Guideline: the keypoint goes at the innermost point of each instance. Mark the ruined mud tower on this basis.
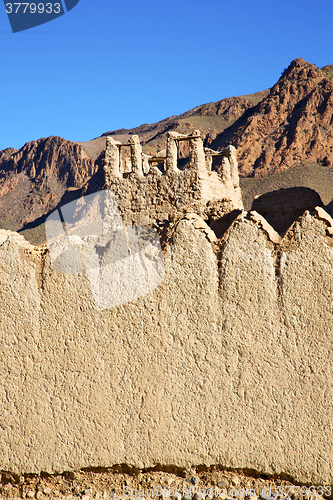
(150, 188)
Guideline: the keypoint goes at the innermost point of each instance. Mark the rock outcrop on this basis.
(292, 124)
(34, 179)
(212, 118)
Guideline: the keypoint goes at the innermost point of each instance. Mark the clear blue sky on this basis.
(117, 64)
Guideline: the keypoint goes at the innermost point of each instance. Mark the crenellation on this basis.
(146, 163)
(171, 162)
(232, 157)
(149, 160)
(112, 159)
(210, 154)
(136, 155)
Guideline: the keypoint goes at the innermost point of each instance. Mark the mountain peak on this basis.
(299, 67)
(292, 124)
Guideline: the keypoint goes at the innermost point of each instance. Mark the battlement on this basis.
(147, 186)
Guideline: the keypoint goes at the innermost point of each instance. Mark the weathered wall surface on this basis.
(228, 361)
(145, 194)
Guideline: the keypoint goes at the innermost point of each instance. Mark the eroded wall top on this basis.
(149, 188)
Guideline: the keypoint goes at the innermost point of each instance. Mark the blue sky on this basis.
(117, 64)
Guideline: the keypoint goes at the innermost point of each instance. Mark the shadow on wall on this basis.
(283, 207)
(221, 225)
(329, 208)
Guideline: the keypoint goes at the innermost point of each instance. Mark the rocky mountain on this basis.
(291, 125)
(211, 119)
(36, 178)
(274, 130)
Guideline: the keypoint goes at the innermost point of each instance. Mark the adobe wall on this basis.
(228, 361)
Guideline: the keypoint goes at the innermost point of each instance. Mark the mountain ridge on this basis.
(292, 124)
(285, 126)
(214, 117)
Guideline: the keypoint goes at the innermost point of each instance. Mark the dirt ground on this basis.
(121, 483)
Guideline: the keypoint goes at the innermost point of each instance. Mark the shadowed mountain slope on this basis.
(291, 125)
(34, 179)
